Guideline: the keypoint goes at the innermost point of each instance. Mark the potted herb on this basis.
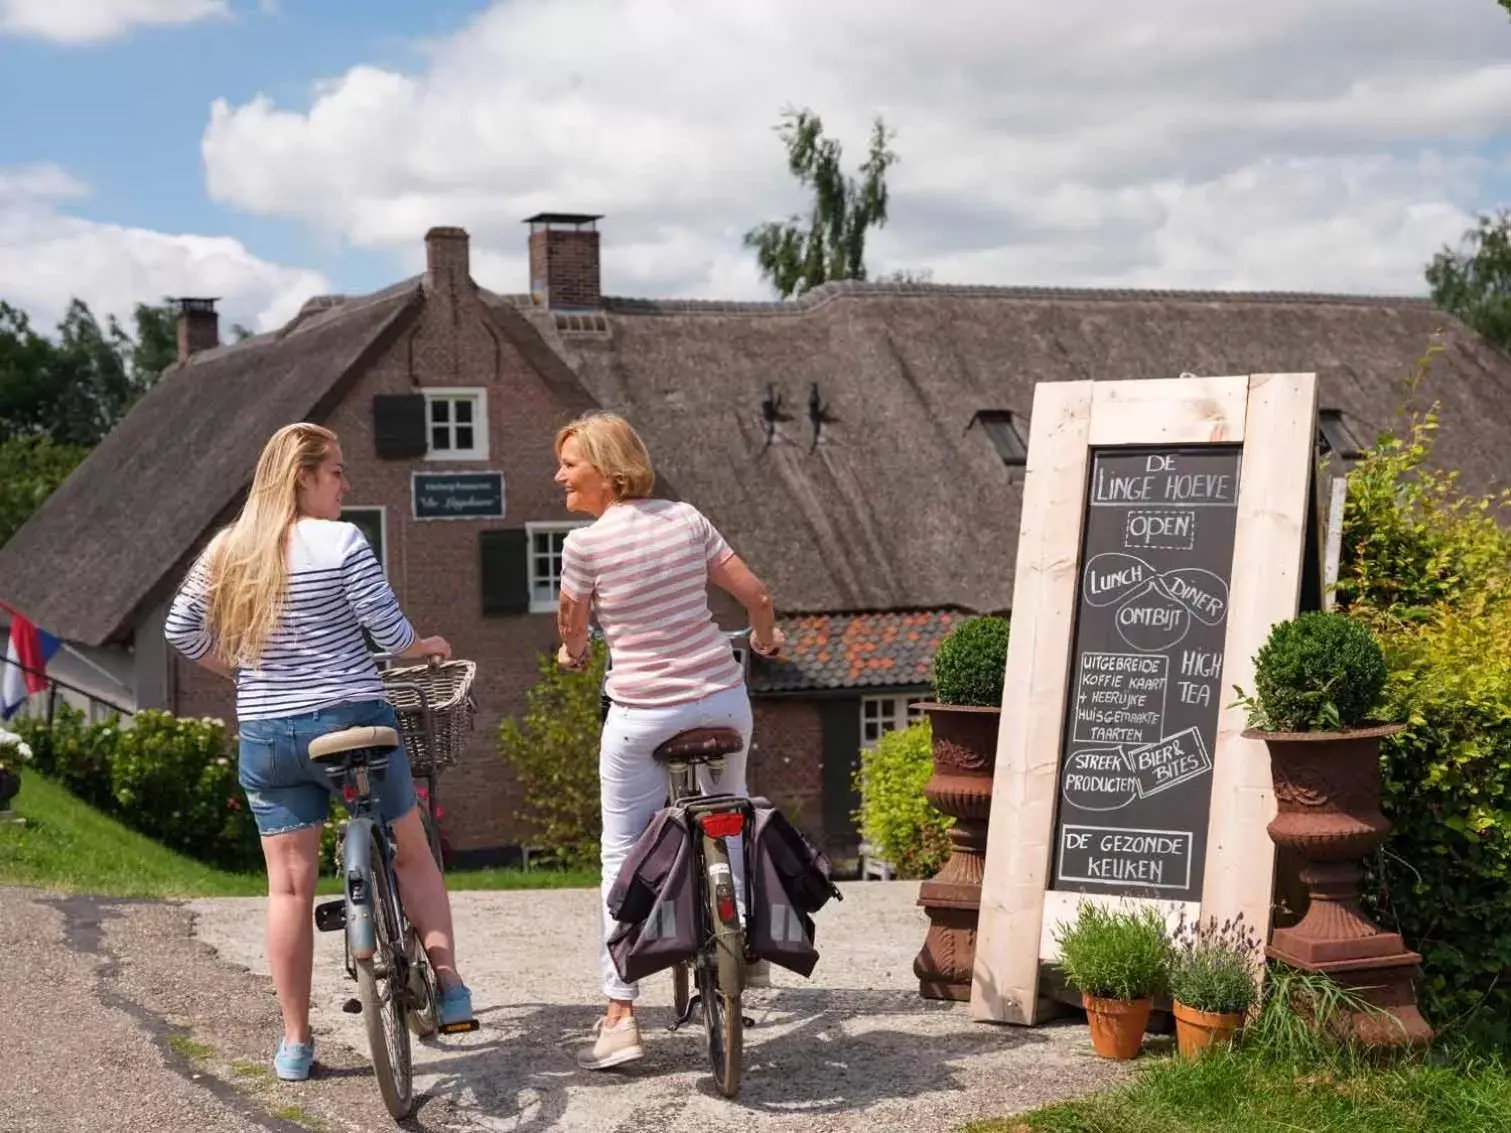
(964, 715)
(1319, 681)
(1118, 960)
(1212, 981)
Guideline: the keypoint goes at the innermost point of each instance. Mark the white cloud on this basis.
(93, 21)
(48, 257)
(1287, 144)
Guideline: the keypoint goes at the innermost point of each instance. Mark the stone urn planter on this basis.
(965, 753)
(13, 754)
(1318, 679)
(964, 718)
(1327, 793)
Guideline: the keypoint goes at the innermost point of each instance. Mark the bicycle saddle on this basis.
(698, 744)
(334, 744)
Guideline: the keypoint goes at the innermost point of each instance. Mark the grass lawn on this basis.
(1244, 1092)
(68, 846)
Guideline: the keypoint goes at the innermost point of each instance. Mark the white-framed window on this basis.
(546, 541)
(373, 522)
(456, 423)
(882, 714)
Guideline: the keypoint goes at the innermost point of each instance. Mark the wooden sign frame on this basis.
(1274, 418)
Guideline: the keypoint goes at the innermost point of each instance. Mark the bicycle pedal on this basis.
(459, 1028)
(331, 915)
(352, 1006)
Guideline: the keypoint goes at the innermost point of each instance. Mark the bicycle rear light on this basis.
(725, 825)
(726, 902)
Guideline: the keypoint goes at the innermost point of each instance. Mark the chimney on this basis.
(564, 261)
(198, 327)
(446, 259)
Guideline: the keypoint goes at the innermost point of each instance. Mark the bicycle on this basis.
(383, 952)
(719, 965)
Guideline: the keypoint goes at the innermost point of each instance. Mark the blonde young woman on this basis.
(644, 566)
(277, 603)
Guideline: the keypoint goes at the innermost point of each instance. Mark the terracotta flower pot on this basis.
(965, 754)
(1195, 1030)
(1117, 1027)
(1327, 797)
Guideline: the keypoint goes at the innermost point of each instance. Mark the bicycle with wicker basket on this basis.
(435, 709)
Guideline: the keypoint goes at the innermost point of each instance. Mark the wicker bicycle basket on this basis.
(448, 688)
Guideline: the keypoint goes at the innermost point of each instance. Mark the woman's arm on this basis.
(572, 625)
(749, 591)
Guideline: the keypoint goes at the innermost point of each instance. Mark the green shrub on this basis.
(895, 817)
(1213, 967)
(174, 779)
(553, 752)
(170, 778)
(1316, 672)
(1428, 567)
(1115, 953)
(970, 663)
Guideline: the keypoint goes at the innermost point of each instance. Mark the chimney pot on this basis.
(446, 257)
(564, 268)
(198, 326)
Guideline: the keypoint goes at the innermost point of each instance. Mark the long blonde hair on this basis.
(248, 561)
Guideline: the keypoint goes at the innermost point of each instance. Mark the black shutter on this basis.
(840, 722)
(505, 571)
(399, 425)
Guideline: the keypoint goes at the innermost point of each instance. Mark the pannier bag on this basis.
(653, 899)
(789, 880)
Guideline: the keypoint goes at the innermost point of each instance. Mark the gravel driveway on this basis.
(160, 1015)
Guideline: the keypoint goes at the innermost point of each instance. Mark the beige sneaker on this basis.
(615, 1045)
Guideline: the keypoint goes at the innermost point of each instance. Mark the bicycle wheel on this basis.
(680, 990)
(724, 1030)
(423, 989)
(383, 999)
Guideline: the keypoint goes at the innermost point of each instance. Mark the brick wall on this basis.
(564, 267)
(787, 763)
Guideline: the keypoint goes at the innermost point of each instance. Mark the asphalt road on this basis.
(160, 1016)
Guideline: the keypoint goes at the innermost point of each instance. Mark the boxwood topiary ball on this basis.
(1320, 671)
(969, 663)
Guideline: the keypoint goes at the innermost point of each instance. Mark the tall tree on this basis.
(1474, 281)
(74, 388)
(795, 254)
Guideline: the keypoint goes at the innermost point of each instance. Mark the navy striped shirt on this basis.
(316, 655)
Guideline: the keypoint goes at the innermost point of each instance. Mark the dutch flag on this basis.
(25, 665)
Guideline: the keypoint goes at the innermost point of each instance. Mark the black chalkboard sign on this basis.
(1135, 776)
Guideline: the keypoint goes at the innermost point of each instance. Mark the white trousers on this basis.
(634, 788)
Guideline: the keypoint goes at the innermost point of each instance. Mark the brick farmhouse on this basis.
(861, 446)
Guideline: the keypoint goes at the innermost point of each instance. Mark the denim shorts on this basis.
(288, 792)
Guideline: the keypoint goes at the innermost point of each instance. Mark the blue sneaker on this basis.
(454, 1013)
(292, 1062)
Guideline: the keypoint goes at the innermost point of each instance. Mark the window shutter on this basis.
(840, 722)
(399, 425)
(505, 571)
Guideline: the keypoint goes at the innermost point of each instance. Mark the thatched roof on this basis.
(105, 543)
(903, 503)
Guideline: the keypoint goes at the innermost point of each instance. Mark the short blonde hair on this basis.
(610, 444)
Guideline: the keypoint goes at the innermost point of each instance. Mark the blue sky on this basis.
(267, 150)
(126, 116)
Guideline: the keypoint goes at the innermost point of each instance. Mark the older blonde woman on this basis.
(278, 602)
(643, 565)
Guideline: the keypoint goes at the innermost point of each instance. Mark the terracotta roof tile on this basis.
(879, 649)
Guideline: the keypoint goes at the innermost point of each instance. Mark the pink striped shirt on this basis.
(645, 565)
